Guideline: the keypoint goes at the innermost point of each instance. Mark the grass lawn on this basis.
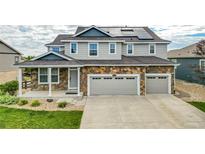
(21, 118)
(199, 105)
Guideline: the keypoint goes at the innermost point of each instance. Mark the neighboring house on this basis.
(8, 57)
(191, 65)
(103, 61)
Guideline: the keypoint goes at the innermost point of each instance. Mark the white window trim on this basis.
(58, 76)
(76, 47)
(89, 49)
(47, 77)
(132, 49)
(16, 59)
(200, 63)
(154, 49)
(115, 48)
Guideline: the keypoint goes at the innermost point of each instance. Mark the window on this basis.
(54, 75)
(202, 65)
(43, 75)
(73, 48)
(16, 59)
(93, 49)
(152, 48)
(112, 48)
(130, 49)
(55, 49)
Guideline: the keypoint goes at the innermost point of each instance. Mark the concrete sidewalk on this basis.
(151, 111)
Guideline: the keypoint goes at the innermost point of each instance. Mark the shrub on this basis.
(35, 103)
(9, 87)
(23, 102)
(62, 104)
(7, 99)
(2, 93)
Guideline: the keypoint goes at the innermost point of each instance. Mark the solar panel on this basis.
(142, 34)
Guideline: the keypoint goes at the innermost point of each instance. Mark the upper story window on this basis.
(73, 47)
(43, 75)
(202, 65)
(16, 59)
(152, 48)
(130, 49)
(112, 48)
(55, 49)
(93, 49)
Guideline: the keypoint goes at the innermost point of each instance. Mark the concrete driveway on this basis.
(151, 111)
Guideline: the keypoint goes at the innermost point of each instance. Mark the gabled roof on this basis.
(130, 60)
(125, 61)
(57, 40)
(186, 52)
(115, 32)
(54, 53)
(92, 27)
(16, 51)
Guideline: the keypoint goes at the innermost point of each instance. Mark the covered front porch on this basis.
(51, 82)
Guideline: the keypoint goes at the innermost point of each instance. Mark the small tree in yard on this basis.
(200, 51)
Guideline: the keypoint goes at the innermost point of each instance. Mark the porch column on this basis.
(20, 81)
(78, 81)
(49, 82)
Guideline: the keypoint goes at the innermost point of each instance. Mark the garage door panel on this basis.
(157, 85)
(113, 85)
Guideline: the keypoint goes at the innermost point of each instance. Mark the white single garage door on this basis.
(157, 84)
(109, 85)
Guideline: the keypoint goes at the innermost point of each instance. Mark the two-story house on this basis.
(103, 61)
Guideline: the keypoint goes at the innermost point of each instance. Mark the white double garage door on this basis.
(127, 84)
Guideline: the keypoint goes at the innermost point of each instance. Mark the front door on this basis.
(73, 79)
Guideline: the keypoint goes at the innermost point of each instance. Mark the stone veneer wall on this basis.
(124, 70)
(63, 81)
(102, 70)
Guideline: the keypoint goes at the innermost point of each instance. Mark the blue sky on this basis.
(30, 40)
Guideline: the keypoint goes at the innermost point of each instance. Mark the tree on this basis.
(200, 48)
(28, 58)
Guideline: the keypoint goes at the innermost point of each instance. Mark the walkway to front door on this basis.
(151, 111)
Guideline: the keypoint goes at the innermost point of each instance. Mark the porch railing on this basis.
(26, 84)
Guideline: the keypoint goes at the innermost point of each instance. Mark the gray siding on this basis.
(5, 49)
(7, 61)
(143, 50)
(51, 57)
(103, 51)
(187, 70)
(93, 32)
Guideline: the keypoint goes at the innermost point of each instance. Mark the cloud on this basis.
(31, 39)
(180, 36)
